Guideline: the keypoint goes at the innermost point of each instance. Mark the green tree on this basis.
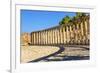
(65, 20)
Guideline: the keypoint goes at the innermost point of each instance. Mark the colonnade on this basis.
(67, 34)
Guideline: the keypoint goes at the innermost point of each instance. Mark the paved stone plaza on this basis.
(29, 53)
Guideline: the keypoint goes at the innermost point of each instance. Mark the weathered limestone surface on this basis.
(29, 53)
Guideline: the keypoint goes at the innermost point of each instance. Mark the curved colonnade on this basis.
(62, 35)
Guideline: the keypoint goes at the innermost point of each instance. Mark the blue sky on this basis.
(34, 20)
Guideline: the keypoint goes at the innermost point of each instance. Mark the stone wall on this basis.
(25, 39)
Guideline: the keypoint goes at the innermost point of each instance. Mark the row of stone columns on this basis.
(73, 34)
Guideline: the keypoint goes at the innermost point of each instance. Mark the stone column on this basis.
(58, 37)
(32, 38)
(50, 37)
(78, 33)
(61, 38)
(86, 31)
(47, 37)
(43, 37)
(57, 34)
(68, 35)
(39, 37)
(36, 37)
(82, 32)
(53, 36)
(64, 35)
(74, 34)
(88, 36)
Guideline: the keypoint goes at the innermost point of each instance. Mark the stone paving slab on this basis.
(29, 53)
(74, 51)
